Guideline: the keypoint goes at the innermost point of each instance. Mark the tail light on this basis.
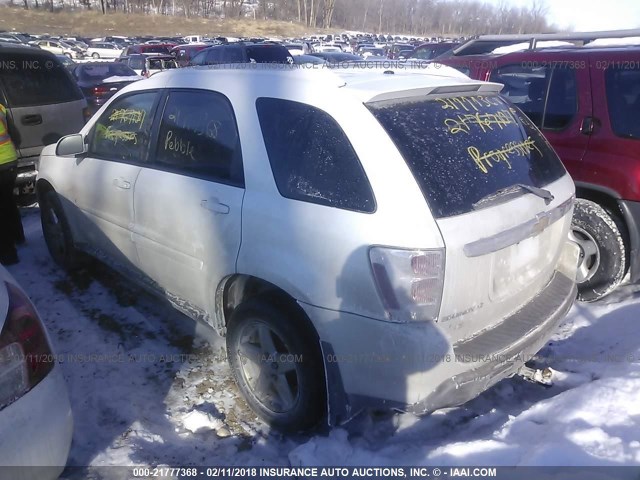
(99, 91)
(25, 354)
(409, 282)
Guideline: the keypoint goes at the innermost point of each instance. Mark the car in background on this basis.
(66, 62)
(104, 50)
(157, 63)
(337, 57)
(148, 49)
(308, 60)
(243, 53)
(372, 52)
(59, 48)
(586, 101)
(35, 412)
(43, 104)
(99, 81)
(296, 48)
(398, 51)
(184, 53)
(429, 51)
(147, 65)
(447, 265)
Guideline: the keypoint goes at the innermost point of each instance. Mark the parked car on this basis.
(101, 80)
(184, 53)
(308, 60)
(147, 65)
(337, 57)
(243, 53)
(429, 51)
(586, 101)
(66, 62)
(44, 103)
(35, 413)
(262, 208)
(60, 48)
(148, 48)
(398, 51)
(104, 50)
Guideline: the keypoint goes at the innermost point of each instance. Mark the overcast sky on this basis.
(588, 15)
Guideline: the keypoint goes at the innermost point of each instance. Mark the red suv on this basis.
(586, 100)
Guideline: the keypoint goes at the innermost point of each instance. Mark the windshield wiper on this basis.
(507, 193)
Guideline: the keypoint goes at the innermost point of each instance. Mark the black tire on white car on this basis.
(57, 233)
(277, 364)
(95, 55)
(603, 255)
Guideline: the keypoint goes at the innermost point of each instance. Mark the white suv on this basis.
(362, 238)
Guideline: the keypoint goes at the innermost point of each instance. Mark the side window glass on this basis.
(199, 136)
(122, 132)
(311, 157)
(562, 101)
(623, 100)
(526, 87)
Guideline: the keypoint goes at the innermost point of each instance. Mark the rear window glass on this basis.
(623, 97)
(549, 96)
(103, 71)
(30, 80)
(462, 149)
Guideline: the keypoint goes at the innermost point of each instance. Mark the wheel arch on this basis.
(238, 288)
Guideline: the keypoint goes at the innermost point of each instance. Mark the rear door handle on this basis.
(29, 120)
(214, 205)
(121, 183)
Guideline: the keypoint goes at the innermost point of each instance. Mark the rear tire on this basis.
(603, 255)
(277, 364)
(95, 55)
(57, 233)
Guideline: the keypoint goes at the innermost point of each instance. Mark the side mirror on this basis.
(70, 145)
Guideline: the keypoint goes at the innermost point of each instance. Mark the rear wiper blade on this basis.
(505, 194)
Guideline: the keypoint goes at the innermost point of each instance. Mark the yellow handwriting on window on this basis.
(469, 104)
(485, 121)
(130, 116)
(114, 135)
(484, 161)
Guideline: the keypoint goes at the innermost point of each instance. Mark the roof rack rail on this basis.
(483, 44)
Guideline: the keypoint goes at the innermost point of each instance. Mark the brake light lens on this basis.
(409, 282)
(25, 354)
(99, 91)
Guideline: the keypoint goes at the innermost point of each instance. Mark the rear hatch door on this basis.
(500, 196)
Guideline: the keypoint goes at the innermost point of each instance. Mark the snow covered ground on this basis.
(147, 389)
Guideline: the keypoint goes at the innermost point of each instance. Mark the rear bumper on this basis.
(414, 368)
(490, 361)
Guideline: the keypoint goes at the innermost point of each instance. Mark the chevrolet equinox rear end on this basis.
(361, 238)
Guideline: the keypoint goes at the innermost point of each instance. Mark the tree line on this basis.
(414, 17)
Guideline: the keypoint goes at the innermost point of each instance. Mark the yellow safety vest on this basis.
(8, 152)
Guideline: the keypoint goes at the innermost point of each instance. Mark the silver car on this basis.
(35, 414)
(361, 237)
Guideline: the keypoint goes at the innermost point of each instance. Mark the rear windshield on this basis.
(97, 72)
(462, 149)
(30, 80)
